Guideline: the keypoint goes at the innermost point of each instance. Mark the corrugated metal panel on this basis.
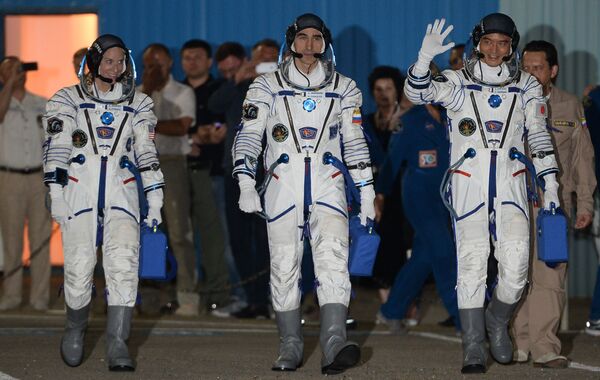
(572, 27)
(583, 265)
(366, 33)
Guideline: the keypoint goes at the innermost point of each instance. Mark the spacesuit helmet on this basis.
(493, 23)
(307, 20)
(93, 59)
(288, 52)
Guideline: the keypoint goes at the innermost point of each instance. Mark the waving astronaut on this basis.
(493, 107)
(91, 129)
(309, 113)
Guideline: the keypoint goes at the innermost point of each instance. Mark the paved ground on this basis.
(212, 348)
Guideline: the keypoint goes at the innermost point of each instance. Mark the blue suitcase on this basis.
(153, 254)
(552, 236)
(364, 242)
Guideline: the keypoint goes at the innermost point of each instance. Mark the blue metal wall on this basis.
(366, 33)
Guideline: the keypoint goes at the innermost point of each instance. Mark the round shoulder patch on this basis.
(466, 127)
(79, 138)
(249, 111)
(55, 125)
(280, 132)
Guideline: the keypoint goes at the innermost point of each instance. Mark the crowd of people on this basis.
(250, 172)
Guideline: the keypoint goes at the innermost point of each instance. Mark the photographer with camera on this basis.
(22, 192)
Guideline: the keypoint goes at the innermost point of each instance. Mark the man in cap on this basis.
(493, 107)
(92, 130)
(308, 111)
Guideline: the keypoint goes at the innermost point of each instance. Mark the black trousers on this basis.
(249, 245)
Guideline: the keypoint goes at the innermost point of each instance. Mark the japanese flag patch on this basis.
(541, 110)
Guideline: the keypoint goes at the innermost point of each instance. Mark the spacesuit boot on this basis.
(338, 354)
(291, 341)
(71, 345)
(473, 340)
(497, 316)
(117, 333)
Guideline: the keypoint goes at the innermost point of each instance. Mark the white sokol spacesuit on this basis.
(305, 189)
(304, 116)
(488, 191)
(491, 110)
(89, 134)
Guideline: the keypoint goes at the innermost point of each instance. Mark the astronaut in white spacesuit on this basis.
(493, 107)
(91, 130)
(309, 113)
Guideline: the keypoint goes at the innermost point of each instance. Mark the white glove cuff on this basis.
(246, 182)
(551, 182)
(155, 198)
(367, 193)
(421, 68)
(56, 190)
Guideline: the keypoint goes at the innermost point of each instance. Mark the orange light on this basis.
(49, 40)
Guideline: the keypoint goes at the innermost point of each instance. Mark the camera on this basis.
(29, 66)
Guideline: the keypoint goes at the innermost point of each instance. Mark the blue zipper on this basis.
(101, 200)
(307, 198)
(492, 193)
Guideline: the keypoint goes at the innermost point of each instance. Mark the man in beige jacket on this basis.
(537, 320)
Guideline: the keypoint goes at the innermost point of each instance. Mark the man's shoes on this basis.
(412, 315)
(187, 310)
(395, 326)
(9, 304)
(520, 356)
(551, 360)
(253, 312)
(169, 308)
(592, 327)
(228, 310)
(188, 304)
(448, 322)
(36, 308)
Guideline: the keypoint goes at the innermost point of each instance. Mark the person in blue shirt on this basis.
(422, 146)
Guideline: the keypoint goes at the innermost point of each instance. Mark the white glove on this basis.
(367, 204)
(433, 44)
(249, 200)
(551, 191)
(155, 203)
(59, 209)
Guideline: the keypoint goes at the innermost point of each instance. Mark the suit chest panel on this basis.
(102, 129)
(314, 118)
(497, 115)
